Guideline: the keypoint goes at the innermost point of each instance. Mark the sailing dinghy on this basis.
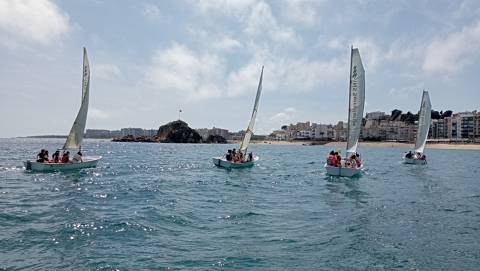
(348, 167)
(247, 160)
(424, 120)
(75, 137)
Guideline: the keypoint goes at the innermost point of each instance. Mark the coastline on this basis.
(440, 146)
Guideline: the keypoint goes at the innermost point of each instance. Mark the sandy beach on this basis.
(442, 146)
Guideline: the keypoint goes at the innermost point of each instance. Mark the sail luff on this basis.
(249, 130)
(75, 137)
(349, 97)
(424, 121)
(356, 101)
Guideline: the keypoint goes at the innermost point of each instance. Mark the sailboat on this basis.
(250, 159)
(75, 137)
(348, 167)
(424, 120)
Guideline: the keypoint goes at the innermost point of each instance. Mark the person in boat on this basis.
(40, 156)
(250, 157)
(66, 157)
(338, 159)
(228, 156)
(56, 156)
(334, 161)
(357, 160)
(77, 158)
(45, 157)
(241, 156)
(330, 158)
(237, 157)
(353, 161)
(409, 155)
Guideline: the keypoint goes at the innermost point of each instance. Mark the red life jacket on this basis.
(334, 160)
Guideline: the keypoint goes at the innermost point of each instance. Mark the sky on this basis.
(149, 59)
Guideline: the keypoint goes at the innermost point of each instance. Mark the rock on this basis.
(131, 138)
(173, 132)
(178, 132)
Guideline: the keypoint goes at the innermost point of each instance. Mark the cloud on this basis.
(284, 74)
(290, 110)
(106, 71)
(226, 7)
(98, 114)
(375, 56)
(300, 12)
(254, 17)
(38, 21)
(151, 12)
(226, 44)
(452, 53)
(370, 52)
(275, 121)
(261, 23)
(285, 116)
(406, 92)
(178, 69)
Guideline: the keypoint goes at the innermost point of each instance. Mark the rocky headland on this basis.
(173, 132)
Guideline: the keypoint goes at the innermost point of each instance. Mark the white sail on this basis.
(75, 137)
(356, 101)
(424, 120)
(249, 131)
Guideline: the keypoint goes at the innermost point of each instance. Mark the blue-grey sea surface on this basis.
(154, 206)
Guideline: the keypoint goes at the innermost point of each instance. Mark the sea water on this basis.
(167, 207)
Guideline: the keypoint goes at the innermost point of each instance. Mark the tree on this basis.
(435, 115)
(395, 114)
(447, 114)
(409, 117)
(284, 127)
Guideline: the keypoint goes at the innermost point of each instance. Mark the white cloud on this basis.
(194, 76)
(255, 17)
(374, 56)
(301, 12)
(290, 110)
(151, 12)
(452, 53)
(39, 21)
(284, 117)
(227, 7)
(406, 92)
(261, 23)
(277, 120)
(98, 114)
(106, 71)
(226, 44)
(286, 74)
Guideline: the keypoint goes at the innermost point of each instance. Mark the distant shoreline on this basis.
(338, 144)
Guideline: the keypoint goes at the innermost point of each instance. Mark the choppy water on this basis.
(166, 206)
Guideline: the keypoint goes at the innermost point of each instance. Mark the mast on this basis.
(75, 137)
(249, 130)
(349, 96)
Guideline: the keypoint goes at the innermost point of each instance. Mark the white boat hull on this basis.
(414, 161)
(343, 171)
(88, 162)
(222, 162)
